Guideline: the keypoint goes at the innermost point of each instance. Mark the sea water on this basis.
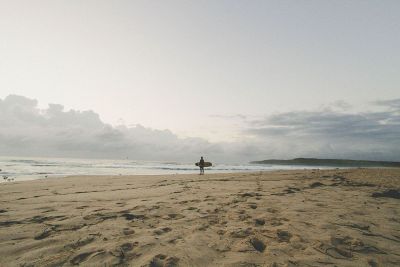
(22, 169)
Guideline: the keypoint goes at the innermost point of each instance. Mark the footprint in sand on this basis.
(221, 232)
(250, 194)
(203, 227)
(283, 236)
(162, 260)
(356, 245)
(257, 244)
(343, 247)
(213, 219)
(45, 233)
(162, 231)
(272, 210)
(259, 221)
(243, 217)
(99, 217)
(316, 184)
(42, 219)
(391, 193)
(173, 216)
(242, 233)
(131, 217)
(174, 240)
(78, 259)
(128, 231)
(277, 221)
(80, 243)
(334, 252)
(253, 206)
(209, 198)
(128, 246)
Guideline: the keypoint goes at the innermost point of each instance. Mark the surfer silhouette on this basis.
(201, 165)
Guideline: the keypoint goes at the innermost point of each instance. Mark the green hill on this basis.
(329, 162)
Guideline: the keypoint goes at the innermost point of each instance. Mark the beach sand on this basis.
(280, 218)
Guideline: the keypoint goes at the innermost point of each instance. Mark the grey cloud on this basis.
(393, 103)
(327, 133)
(341, 105)
(28, 131)
(332, 124)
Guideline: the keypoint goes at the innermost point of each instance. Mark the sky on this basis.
(236, 80)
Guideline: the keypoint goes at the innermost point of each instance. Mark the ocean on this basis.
(22, 169)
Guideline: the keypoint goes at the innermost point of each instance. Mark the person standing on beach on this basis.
(201, 165)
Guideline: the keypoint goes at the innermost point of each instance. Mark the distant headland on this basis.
(329, 162)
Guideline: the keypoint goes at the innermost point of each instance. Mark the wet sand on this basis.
(281, 218)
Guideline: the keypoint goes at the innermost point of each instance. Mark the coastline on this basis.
(228, 219)
(32, 168)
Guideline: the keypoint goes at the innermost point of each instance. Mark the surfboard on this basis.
(206, 164)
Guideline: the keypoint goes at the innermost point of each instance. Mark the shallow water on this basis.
(20, 169)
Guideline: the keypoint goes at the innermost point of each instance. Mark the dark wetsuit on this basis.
(201, 165)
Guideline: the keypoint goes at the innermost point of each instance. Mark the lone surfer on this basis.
(201, 165)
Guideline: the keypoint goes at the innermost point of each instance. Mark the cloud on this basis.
(393, 103)
(329, 133)
(27, 130)
(340, 104)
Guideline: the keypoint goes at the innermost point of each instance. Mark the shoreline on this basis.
(23, 168)
(209, 172)
(285, 217)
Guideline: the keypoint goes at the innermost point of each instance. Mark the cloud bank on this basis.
(26, 130)
(332, 134)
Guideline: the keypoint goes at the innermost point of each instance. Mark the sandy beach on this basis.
(282, 218)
